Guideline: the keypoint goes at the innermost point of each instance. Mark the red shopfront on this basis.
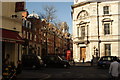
(11, 44)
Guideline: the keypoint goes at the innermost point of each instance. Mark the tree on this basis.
(49, 13)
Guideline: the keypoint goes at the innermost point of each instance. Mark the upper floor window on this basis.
(83, 14)
(106, 29)
(107, 49)
(30, 36)
(35, 38)
(106, 9)
(19, 6)
(27, 24)
(24, 22)
(82, 31)
(39, 31)
(30, 25)
(27, 35)
(24, 34)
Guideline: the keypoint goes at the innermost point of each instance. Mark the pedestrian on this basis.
(19, 67)
(114, 69)
(12, 71)
(83, 60)
(92, 60)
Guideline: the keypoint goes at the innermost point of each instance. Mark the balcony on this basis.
(81, 40)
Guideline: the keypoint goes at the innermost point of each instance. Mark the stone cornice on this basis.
(79, 4)
(89, 41)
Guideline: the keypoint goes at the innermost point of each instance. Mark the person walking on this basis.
(114, 69)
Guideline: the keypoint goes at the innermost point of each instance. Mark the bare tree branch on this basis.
(50, 12)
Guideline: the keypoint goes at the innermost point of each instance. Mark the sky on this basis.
(63, 12)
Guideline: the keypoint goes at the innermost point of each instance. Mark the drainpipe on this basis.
(98, 29)
(18, 52)
(87, 35)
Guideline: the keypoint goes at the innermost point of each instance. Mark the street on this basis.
(73, 73)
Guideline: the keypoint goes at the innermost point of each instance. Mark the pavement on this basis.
(28, 74)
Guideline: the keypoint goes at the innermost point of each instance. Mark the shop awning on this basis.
(10, 36)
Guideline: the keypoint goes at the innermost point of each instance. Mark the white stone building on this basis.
(96, 30)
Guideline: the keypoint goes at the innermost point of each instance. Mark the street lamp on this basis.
(94, 49)
(45, 40)
(45, 27)
(54, 43)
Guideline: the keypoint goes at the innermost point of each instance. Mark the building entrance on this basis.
(82, 53)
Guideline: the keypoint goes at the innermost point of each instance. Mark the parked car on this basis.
(119, 59)
(105, 61)
(55, 61)
(32, 61)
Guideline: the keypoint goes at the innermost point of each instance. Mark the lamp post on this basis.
(94, 50)
(54, 43)
(46, 40)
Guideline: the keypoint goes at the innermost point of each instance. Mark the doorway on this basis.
(82, 53)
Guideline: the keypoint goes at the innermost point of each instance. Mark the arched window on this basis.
(83, 14)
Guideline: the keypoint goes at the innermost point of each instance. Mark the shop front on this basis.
(11, 45)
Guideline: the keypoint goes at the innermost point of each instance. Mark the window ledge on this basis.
(106, 15)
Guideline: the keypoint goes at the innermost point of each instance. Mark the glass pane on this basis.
(106, 29)
(107, 50)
